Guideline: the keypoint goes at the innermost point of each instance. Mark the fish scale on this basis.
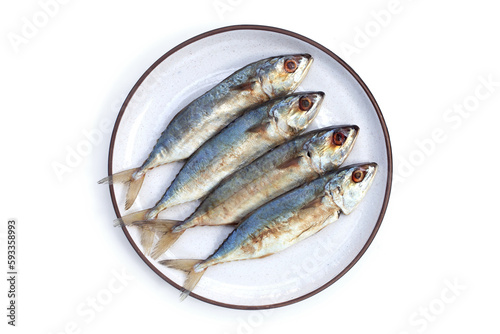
(204, 117)
(286, 220)
(241, 142)
(295, 162)
(234, 147)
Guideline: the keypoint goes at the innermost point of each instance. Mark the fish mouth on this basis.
(301, 58)
(310, 60)
(351, 132)
(307, 56)
(372, 166)
(368, 166)
(355, 128)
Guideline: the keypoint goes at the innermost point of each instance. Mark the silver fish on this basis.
(211, 112)
(298, 161)
(286, 220)
(248, 137)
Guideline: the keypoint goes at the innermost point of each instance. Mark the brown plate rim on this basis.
(328, 52)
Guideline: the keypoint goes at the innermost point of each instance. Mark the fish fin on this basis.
(259, 128)
(193, 277)
(290, 163)
(133, 190)
(185, 265)
(134, 185)
(147, 233)
(312, 204)
(165, 242)
(147, 239)
(160, 226)
(121, 177)
(249, 85)
(131, 218)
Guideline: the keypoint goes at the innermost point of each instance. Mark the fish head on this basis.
(283, 74)
(295, 112)
(329, 148)
(350, 185)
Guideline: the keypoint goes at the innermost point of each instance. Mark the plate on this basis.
(189, 70)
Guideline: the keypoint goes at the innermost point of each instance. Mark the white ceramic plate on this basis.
(189, 70)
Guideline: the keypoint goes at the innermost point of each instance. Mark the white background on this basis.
(432, 267)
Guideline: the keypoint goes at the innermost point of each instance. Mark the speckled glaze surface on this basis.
(189, 70)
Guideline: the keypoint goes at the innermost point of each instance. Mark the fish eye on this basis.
(305, 103)
(358, 175)
(290, 65)
(338, 138)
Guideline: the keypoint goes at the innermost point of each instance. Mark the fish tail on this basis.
(147, 233)
(160, 226)
(131, 218)
(165, 242)
(163, 229)
(121, 177)
(193, 277)
(133, 190)
(147, 240)
(127, 177)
